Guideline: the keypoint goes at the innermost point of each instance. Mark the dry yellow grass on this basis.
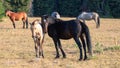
(17, 47)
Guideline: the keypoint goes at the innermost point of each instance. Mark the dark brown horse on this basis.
(58, 29)
(17, 17)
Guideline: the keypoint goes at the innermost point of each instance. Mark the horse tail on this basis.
(88, 38)
(98, 21)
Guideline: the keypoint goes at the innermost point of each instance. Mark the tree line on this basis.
(71, 8)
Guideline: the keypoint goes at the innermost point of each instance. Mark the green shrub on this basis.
(1, 10)
(114, 48)
(98, 48)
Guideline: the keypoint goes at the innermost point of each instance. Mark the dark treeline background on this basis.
(71, 8)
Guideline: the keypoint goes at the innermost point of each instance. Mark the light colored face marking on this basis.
(45, 20)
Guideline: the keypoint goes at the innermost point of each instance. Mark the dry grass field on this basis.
(17, 47)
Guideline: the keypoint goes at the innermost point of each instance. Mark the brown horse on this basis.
(16, 17)
(38, 37)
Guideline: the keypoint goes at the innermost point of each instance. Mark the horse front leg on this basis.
(41, 50)
(37, 50)
(60, 46)
(79, 45)
(36, 47)
(56, 47)
(13, 23)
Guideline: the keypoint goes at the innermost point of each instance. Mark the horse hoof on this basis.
(64, 56)
(80, 59)
(57, 57)
(85, 58)
(42, 56)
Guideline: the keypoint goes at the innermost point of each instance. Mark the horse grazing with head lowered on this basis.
(90, 16)
(58, 29)
(38, 37)
(55, 15)
(17, 17)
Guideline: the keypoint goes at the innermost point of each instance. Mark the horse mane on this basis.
(58, 20)
(7, 10)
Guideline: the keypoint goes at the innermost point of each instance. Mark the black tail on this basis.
(27, 22)
(98, 22)
(88, 38)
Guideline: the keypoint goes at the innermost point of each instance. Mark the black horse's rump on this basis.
(58, 29)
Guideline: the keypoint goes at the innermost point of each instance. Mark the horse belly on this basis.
(65, 36)
(17, 19)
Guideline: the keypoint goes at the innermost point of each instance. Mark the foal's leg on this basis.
(13, 23)
(63, 53)
(41, 50)
(36, 50)
(26, 22)
(79, 45)
(23, 24)
(56, 47)
(84, 46)
(36, 47)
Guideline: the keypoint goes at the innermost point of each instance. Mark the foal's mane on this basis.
(33, 23)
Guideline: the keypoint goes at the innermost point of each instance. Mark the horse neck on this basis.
(51, 20)
(10, 12)
(39, 28)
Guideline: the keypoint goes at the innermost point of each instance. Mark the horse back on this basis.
(64, 29)
(19, 16)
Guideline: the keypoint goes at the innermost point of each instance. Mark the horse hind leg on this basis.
(84, 46)
(80, 46)
(26, 22)
(96, 19)
(23, 24)
(14, 25)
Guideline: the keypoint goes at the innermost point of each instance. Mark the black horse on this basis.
(58, 29)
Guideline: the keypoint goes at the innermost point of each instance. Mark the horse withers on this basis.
(58, 29)
(38, 37)
(90, 16)
(17, 17)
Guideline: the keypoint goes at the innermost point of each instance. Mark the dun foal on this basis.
(38, 37)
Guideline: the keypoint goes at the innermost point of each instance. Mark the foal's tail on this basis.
(88, 38)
